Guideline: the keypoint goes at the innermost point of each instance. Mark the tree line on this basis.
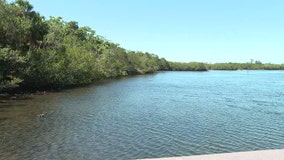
(257, 65)
(38, 53)
(197, 66)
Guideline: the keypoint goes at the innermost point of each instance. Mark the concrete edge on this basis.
(250, 155)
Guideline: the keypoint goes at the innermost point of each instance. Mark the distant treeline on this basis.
(257, 65)
(36, 53)
(197, 66)
(191, 66)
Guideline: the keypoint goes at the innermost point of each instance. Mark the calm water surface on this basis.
(160, 115)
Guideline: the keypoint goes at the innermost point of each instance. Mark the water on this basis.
(160, 115)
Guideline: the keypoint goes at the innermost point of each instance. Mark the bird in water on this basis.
(41, 115)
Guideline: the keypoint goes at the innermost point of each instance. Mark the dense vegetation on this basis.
(38, 53)
(197, 66)
(257, 65)
(191, 66)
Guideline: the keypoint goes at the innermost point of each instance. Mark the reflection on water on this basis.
(160, 115)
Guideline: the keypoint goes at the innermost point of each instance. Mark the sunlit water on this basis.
(160, 115)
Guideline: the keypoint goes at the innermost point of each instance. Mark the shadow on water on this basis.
(3, 119)
(9, 105)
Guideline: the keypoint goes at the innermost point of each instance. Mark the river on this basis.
(159, 115)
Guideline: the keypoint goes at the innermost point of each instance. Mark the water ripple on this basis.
(166, 114)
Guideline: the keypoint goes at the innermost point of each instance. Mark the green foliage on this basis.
(113, 62)
(11, 63)
(20, 27)
(44, 68)
(228, 66)
(191, 66)
(164, 64)
(38, 53)
(244, 66)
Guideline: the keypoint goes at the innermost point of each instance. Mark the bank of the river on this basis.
(19, 95)
(22, 92)
(26, 92)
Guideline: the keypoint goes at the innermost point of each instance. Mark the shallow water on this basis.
(160, 115)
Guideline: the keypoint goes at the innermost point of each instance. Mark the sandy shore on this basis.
(253, 155)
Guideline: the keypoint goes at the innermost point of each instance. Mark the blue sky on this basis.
(183, 30)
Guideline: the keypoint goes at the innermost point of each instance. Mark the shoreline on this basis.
(24, 92)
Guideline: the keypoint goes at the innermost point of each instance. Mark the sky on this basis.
(208, 31)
